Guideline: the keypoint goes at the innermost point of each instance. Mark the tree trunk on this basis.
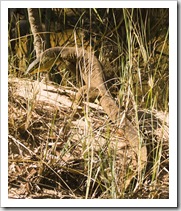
(36, 29)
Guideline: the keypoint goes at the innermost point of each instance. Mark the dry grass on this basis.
(53, 154)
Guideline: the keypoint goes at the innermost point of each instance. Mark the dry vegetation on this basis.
(55, 154)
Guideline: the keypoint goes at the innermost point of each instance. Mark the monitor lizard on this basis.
(92, 73)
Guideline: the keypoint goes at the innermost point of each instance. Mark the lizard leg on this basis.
(79, 97)
(82, 93)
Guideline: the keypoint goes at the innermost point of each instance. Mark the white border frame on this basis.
(172, 201)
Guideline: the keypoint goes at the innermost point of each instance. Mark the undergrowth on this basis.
(53, 156)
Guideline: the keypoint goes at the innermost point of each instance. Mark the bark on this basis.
(36, 29)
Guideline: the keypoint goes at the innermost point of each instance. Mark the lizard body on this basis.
(92, 74)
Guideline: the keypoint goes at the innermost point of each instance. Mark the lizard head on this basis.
(42, 64)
